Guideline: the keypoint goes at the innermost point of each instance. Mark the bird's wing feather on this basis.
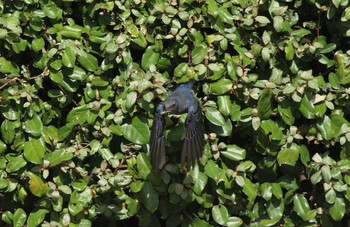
(157, 141)
(194, 138)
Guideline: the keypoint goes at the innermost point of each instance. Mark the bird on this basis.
(180, 101)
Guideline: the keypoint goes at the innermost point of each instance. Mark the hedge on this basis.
(80, 80)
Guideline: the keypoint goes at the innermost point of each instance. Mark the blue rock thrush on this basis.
(180, 101)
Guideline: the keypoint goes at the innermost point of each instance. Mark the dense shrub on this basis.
(79, 81)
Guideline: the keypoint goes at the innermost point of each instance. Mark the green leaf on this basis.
(200, 180)
(58, 156)
(130, 99)
(19, 218)
(36, 185)
(69, 57)
(249, 189)
(307, 108)
(327, 128)
(304, 155)
(326, 173)
(150, 197)
(212, 170)
(137, 131)
(214, 116)
(234, 222)
(8, 131)
(301, 206)
(285, 110)
(150, 57)
(143, 165)
(224, 104)
(34, 151)
(220, 214)
(78, 115)
(288, 155)
(37, 217)
(234, 152)
(289, 51)
(14, 163)
(265, 104)
(220, 87)
(73, 32)
(277, 190)
(266, 191)
(8, 66)
(198, 54)
(3, 148)
(262, 19)
(34, 126)
(337, 211)
(88, 61)
(38, 44)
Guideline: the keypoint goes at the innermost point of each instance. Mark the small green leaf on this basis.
(337, 211)
(34, 126)
(220, 214)
(88, 61)
(78, 115)
(265, 104)
(37, 217)
(198, 54)
(150, 197)
(249, 189)
(301, 205)
(19, 218)
(327, 128)
(214, 116)
(200, 180)
(8, 66)
(289, 51)
(143, 165)
(36, 185)
(234, 152)
(220, 87)
(14, 163)
(137, 131)
(262, 19)
(69, 57)
(150, 57)
(130, 99)
(288, 155)
(38, 44)
(34, 151)
(266, 191)
(307, 108)
(285, 110)
(224, 104)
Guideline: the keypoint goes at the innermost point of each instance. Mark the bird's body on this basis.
(180, 101)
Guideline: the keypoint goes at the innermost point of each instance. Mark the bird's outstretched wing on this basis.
(194, 138)
(157, 140)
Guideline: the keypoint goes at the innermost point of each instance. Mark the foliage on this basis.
(79, 82)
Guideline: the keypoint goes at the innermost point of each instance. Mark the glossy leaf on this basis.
(34, 151)
(337, 211)
(36, 185)
(19, 218)
(37, 217)
(288, 155)
(149, 197)
(234, 152)
(137, 131)
(220, 214)
(34, 126)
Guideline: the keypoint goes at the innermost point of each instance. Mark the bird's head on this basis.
(171, 105)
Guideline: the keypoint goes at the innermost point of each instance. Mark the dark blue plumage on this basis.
(180, 101)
